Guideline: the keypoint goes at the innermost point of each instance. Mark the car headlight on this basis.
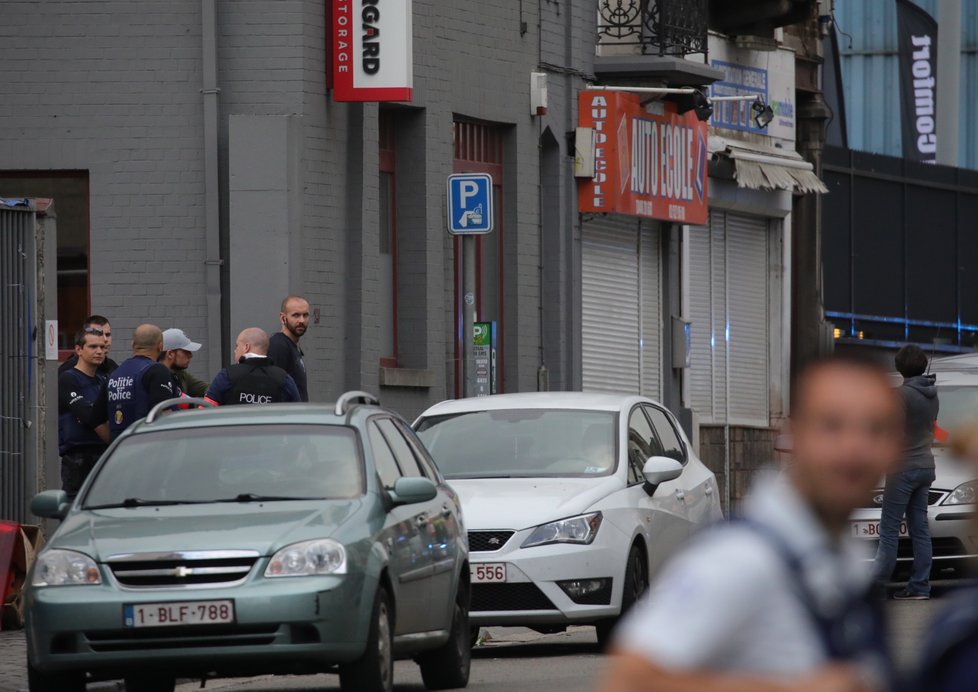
(309, 558)
(580, 530)
(65, 568)
(964, 494)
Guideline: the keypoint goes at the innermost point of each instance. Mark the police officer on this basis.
(254, 379)
(81, 438)
(139, 383)
(99, 326)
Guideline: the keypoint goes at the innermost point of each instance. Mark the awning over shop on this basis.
(760, 167)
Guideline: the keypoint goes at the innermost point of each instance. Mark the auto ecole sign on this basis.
(371, 50)
(649, 164)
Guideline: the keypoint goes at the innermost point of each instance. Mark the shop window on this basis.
(387, 241)
(478, 148)
(69, 190)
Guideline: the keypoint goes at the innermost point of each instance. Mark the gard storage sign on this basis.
(469, 203)
(371, 50)
(645, 164)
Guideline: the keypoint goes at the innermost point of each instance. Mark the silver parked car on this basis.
(953, 494)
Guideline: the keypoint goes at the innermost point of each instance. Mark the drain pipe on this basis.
(212, 194)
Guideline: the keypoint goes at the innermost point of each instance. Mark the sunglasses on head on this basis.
(94, 330)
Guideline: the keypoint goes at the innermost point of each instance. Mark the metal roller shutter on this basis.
(651, 311)
(747, 296)
(729, 304)
(610, 357)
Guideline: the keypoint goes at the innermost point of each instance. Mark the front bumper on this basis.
(292, 624)
(531, 595)
(952, 529)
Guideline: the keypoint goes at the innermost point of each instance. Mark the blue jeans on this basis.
(906, 494)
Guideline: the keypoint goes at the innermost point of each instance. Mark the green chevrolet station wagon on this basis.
(252, 540)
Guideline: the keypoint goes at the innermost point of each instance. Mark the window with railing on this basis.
(654, 27)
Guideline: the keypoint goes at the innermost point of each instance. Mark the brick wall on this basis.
(751, 450)
(113, 87)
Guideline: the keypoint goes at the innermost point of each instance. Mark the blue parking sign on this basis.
(469, 203)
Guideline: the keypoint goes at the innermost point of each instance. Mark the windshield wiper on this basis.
(255, 497)
(140, 502)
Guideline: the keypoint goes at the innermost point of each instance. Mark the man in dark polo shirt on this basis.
(283, 349)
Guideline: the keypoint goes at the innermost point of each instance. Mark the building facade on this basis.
(203, 168)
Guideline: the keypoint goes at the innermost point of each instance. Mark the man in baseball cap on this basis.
(178, 351)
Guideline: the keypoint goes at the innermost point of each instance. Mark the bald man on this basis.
(284, 349)
(139, 383)
(253, 379)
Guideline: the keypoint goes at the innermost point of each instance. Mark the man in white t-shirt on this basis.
(777, 599)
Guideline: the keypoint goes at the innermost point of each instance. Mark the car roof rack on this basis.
(350, 399)
(155, 412)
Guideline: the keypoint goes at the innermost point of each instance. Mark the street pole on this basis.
(468, 314)
(948, 80)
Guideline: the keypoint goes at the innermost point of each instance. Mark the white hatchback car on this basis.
(571, 500)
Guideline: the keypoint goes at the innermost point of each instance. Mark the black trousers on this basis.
(75, 467)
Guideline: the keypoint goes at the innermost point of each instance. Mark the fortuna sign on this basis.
(644, 164)
(372, 55)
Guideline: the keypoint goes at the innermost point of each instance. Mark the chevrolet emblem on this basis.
(182, 572)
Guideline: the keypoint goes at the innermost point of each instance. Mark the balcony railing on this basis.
(654, 27)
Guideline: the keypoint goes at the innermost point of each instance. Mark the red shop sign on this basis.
(644, 164)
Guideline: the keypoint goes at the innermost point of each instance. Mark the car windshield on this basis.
(230, 464)
(522, 443)
(958, 405)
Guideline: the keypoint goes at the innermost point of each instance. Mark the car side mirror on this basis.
(412, 490)
(51, 504)
(659, 470)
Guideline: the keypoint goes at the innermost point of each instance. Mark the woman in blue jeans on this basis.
(907, 490)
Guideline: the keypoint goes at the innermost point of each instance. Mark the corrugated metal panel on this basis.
(610, 359)
(18, 279)
(870, 75)
(708, 311)
(651, 311)
(748, 301)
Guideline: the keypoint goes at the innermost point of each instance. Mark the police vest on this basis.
(127, 398)
(73, 435)
(255, 381)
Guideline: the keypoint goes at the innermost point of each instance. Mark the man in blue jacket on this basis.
(82, 436)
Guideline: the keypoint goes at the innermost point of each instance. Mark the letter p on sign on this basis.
(470, 203)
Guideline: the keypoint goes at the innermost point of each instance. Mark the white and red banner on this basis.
(372, 50)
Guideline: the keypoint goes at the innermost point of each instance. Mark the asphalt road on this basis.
(512, 659)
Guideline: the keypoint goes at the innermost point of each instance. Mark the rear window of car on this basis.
(522, 443)
(221, 463)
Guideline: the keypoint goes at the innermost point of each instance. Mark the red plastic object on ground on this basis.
(10, 536)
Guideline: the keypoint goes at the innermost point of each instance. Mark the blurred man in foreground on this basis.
(779, 600)
(950, 660)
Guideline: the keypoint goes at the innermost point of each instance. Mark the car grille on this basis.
(875, 500)
(525, 596)
(182, 637)
(488, 541)
(168, 570)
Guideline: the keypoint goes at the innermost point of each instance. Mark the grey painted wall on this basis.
(113, 87)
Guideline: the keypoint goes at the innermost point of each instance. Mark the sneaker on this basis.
(906, 595)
